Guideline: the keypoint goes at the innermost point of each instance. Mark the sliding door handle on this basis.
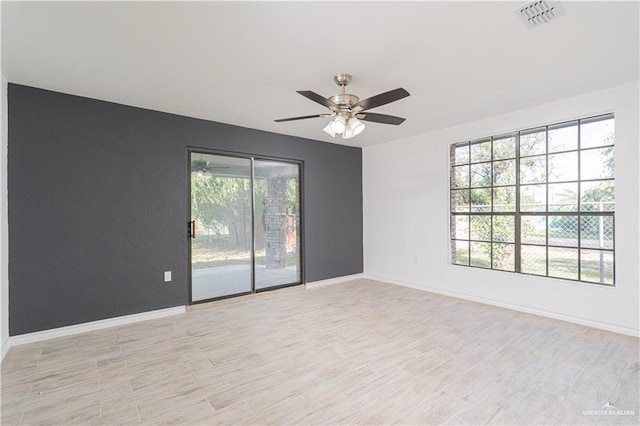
(191, 229)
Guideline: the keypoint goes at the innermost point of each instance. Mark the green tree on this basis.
(222, 205)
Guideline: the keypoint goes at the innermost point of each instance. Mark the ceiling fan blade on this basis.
(380, 118)
(381, 99)
(319, 99)
(280, 120)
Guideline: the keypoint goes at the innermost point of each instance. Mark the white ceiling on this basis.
(241, 62)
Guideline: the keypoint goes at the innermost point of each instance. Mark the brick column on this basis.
(275, 214)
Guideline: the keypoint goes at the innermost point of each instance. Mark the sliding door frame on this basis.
(252, 158)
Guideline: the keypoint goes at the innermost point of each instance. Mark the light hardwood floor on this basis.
(357, 353)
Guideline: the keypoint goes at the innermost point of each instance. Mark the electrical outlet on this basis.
(167, 276)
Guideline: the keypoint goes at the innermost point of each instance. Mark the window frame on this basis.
(578, 214)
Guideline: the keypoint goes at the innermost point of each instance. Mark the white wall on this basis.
(406, 218)
(4, 224)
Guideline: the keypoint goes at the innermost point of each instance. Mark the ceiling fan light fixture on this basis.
(328, 130)
(338, 124)
(348, 133)
(355, 126)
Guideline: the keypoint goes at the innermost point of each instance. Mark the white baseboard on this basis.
(331, 281)
(5, 348)
(92, 326)
(548, 314)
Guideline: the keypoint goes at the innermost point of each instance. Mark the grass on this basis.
(292, 260)
(559, 267)
(213, 252)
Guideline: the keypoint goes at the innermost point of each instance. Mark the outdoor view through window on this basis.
(537, 201)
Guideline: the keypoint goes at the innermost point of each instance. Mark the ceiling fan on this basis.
(348, 109)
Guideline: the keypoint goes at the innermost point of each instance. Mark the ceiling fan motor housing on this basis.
(344, 100)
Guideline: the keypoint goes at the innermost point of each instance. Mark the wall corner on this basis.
(4, 222)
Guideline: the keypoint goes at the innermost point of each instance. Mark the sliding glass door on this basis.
(277, 223)
(245, 225)
(221, 246)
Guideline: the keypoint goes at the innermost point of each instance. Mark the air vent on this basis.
(539, 12)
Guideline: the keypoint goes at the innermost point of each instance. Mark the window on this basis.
(537, 201)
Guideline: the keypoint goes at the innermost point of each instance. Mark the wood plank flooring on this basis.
(363, 352)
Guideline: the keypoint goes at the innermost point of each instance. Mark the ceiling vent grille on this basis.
(539, 12)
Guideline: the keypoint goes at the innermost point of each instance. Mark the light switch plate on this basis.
(167, 276)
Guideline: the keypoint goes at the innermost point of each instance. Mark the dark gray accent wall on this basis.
(98, 205)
